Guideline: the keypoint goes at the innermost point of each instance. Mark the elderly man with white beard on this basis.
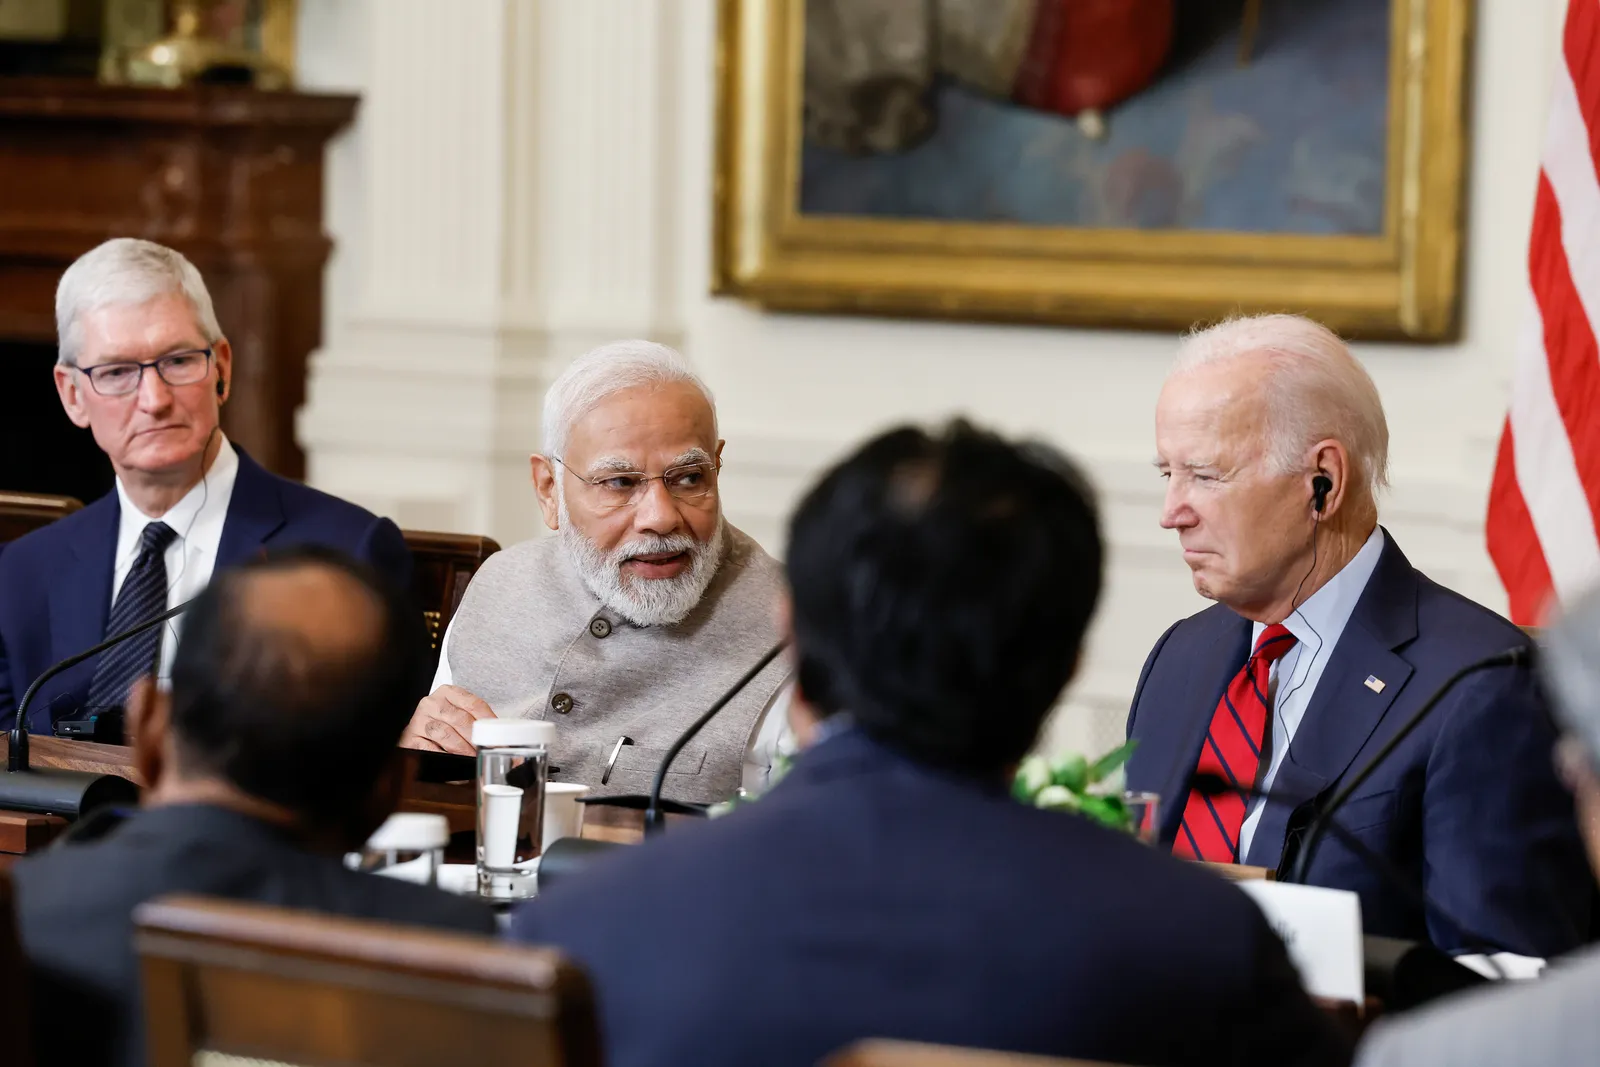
(640, 613)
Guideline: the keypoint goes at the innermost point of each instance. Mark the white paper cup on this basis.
(563, 815)
(502, 807)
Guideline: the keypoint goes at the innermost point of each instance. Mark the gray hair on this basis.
(610, 369)
(126, 271)
(1316, 390)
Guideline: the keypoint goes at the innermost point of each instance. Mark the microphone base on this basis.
(640, 802)
(1406, 974)
(655, 818)
(104, 727)
(70, 794)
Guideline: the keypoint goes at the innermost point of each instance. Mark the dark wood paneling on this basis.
(231, 177)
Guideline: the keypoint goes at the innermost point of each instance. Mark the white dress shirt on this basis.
(1293, 680)
(770, 738)
(197, 519)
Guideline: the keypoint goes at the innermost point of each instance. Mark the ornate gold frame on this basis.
(1404, 283)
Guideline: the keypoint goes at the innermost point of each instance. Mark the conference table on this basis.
(24, 832)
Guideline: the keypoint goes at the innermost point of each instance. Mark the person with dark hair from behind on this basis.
(273, 755)
(890, 886)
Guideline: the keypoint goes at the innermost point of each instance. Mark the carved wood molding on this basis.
(231, 177)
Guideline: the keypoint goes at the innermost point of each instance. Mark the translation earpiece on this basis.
(222, 388)
(1321, 486)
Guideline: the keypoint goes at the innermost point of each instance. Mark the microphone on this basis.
(654, 821)
(655, 807)
(1412, 972)
(17, 755)
(1511, 657)
(568, 856)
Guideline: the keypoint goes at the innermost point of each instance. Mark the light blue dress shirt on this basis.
(1317, 625)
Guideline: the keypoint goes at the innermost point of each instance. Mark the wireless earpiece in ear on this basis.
(1321, 486)
(222, 388)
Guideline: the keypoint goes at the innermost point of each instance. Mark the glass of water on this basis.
(1144, 814)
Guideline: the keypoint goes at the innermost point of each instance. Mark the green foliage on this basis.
(1068, 784)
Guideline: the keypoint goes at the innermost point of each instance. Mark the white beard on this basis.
(643, 601)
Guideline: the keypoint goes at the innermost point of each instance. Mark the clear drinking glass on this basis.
(1144, 814)
(513, 755)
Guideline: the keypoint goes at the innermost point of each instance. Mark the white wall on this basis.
(557, 163)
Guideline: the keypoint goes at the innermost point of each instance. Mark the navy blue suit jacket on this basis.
(55, 583)
(869, 896)
(1468, 809)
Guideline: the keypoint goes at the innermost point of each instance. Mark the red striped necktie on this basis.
(1234, 747)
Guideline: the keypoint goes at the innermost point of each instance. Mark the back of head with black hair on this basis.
(300, 705)
(942, 585)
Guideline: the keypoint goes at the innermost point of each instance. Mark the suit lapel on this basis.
(80, 598)
(1216, 661)
(255, 513)
(1344, 710)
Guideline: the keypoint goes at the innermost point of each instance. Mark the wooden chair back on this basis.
(877, 1053)
(16, 1020)
(22, 513)
(247, 980)
(443, 564)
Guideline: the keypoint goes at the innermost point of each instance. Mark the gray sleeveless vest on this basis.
(532, 641)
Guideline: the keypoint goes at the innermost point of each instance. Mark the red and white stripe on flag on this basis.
(1544, 504)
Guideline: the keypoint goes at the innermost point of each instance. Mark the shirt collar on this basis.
(1324, 614)
(182, 515)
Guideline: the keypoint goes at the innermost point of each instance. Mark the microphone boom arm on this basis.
(1212, 784)
(17, 750)
(653, 819)
(1508, 658)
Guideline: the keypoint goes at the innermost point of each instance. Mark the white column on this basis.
(499, 209)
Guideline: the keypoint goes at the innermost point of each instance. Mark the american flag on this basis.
(1544, 504)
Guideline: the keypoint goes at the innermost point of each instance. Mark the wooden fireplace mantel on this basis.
(229, 176)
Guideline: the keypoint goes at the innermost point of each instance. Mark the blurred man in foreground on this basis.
(273, 755)
(1324, 641)
(890, 886)
(1552, 1020)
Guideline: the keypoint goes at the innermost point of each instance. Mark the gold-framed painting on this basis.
(1132, 163)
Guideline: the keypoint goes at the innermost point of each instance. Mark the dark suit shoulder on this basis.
(1476, 630)
(852, 828)
(302, 502)
(267, 508)
(1196, 630)
(213, 853)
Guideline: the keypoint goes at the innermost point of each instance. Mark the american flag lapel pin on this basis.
(1374, 683)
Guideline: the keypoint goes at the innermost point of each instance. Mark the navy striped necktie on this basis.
(143, 596)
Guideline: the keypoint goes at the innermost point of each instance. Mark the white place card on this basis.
(1322, 930)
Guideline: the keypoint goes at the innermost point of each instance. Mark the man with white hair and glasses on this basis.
(1323, 643)
(643, 610)
(145, 367)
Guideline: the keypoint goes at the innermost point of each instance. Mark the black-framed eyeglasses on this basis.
(692, 483)
(188, 367)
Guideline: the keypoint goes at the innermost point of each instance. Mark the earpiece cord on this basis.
(171, 627)
(1279, 724)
